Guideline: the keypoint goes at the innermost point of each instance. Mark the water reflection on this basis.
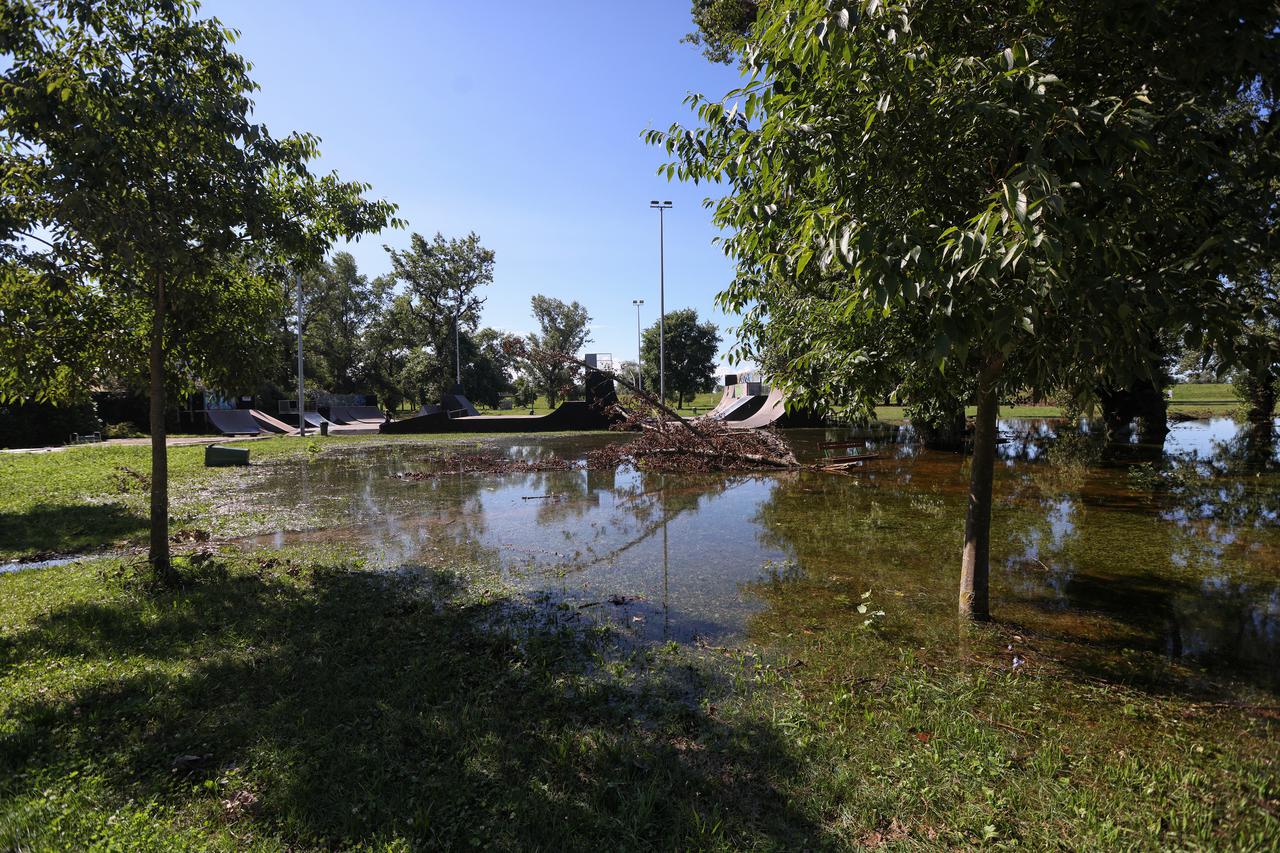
(1177, 559)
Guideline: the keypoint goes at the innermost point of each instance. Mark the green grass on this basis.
(96, 496)
(296, 701)
(1196, 400)
(1197, 392)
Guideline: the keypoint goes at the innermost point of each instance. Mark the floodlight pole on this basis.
(662, 207)
(639, 347)
(302, 420)
(457, 351)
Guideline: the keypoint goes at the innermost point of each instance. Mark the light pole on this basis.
(457, 352)
(662, 207)
(302, 420)
(639, 348)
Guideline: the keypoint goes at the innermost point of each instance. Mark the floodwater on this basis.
(1164, 558)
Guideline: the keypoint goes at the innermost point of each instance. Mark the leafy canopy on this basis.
(137, 188)
(691, 349)
(562, 328)
(1007, 185)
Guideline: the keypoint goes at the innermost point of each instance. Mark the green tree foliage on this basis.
(1011, 185)
(385, 347)
(691, 355)
(564, 328)
(147, 220)
(338, 303)
(486, 367)
(722, 26)
(442, 278)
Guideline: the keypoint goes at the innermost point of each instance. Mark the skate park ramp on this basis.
(458, 406)
(314, 419)
(233, 421)
(598, 412)
(270, 424)
(742, 408)
(772, 410)
(774, 413)
(570, 416)
(727, 398)
(360, 415)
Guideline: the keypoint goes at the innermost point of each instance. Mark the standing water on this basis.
(1130, 560)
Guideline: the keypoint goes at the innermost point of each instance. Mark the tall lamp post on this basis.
(302, 420)
(662, 207)
(639, 347)
(457, 352)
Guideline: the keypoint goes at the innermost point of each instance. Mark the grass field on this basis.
(294, 700)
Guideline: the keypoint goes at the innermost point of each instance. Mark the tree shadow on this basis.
(342, 708)
(67, 528)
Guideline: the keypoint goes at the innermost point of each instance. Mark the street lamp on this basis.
(639, 348)
(302, 400)
(662, 207)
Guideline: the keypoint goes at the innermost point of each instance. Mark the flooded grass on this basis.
(576, 659)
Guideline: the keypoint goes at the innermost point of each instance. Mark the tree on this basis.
(691, 354)
(442, 277)
(1012, 185)
(486, 367)
(384, 345)
(338, 303)
(722, 26)
(564, 329)
(144, 210)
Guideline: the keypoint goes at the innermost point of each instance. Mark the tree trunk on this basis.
(158, 555)
(974, 563)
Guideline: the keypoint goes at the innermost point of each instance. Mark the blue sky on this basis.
(519, 121)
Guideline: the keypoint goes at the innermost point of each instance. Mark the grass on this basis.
(298, 701)
(96, 496)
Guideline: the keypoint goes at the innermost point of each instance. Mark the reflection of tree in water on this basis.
(1179, 582)
(885, 528)
(453, 524)
(1230, 495)
(1086, 560)
(644, 502)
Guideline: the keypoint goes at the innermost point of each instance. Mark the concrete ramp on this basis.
(742, 408)
(358, 415)
(233, 421)
(270, 424)
(773, 409)
(370, 414)
(458, 406)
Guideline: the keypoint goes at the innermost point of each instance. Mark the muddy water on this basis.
(1147, 557)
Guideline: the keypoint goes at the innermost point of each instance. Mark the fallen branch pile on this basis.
(697, 446)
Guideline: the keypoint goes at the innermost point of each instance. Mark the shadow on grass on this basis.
(66, 528)
(347, 707)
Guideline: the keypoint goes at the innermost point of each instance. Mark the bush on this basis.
(124, 429)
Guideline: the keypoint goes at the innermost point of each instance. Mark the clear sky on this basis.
(519, 121)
